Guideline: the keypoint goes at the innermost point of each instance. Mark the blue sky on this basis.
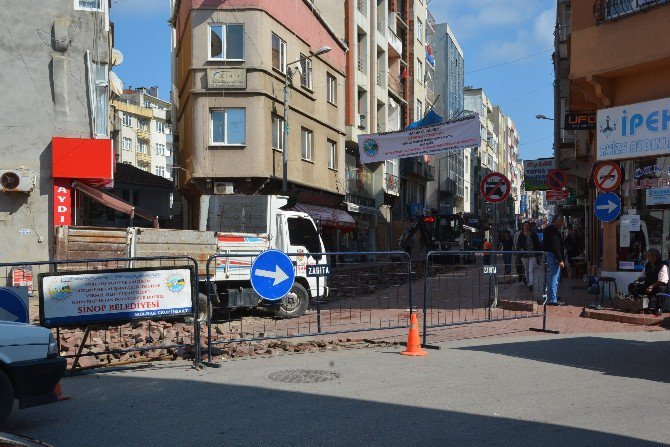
(491, 32)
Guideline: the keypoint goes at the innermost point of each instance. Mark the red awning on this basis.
(115, 203)
(328, 217)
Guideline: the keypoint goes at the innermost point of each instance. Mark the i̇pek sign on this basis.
(62, 202)
(92, 297)
(634, 131)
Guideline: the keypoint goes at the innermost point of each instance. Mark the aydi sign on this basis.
(633, 131)
(62, 202)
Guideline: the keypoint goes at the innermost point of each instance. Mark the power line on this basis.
(527, 93)
(510, 61)
(537, 141)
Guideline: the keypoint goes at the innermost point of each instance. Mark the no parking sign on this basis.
(495, 187)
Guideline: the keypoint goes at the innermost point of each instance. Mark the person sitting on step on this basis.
(654, 278)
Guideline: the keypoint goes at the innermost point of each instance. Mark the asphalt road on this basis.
(605, 390)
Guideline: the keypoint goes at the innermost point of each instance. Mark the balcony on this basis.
(394, 42)
(430, 21)
(361, 6)
(606, 10)
(360, 64)
(396, 86)
(424, 170)
(380, 78)
(143, 135)
(357, 187)
(392, 184)
(380, 25)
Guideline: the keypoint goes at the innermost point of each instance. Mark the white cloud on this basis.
(543, 28)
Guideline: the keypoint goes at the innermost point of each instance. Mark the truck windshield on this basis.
(301, 232)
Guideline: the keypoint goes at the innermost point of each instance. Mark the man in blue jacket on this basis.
(552, 244)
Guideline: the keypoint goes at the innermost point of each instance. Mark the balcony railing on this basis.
(394, 41)
(361, 67)
(380, 78)
(606, 10)
(392, 184)
(396, 86)
(361, 6)
(380, 25)
(424, 170)
(143, 135)
(355, 186)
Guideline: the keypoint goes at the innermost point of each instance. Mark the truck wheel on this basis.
(6, 397)
(294, 304)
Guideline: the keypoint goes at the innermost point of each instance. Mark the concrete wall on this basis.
(46, 97)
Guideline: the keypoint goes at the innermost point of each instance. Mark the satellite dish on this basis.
(117, 57)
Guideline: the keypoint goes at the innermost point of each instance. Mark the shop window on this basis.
(301, 233)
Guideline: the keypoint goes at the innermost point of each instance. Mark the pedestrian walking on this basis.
(488, 246)
(528, 241)
(552, 244)
(507, 245)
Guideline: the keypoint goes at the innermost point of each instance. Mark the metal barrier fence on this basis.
(365, 291)
(462, 287)
(119, 338)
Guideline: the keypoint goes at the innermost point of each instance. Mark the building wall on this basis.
(46, 97)
(263, 96)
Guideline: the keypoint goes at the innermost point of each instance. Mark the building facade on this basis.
(232, 61)
(142, 131)
(610, 61)
(56, 59)
(448, 193)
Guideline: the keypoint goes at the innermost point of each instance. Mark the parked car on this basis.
(30, 367)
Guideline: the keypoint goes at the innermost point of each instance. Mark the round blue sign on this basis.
(607, 207)
(272, 275)
(12, 306)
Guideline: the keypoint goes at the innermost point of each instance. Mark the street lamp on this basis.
(543, 117)
(287, 83)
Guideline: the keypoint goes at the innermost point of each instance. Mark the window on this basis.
(228, 126)
(306, 144)
(89, 5)
(141, 147)
(101, 100)
(278, 53)
(419, 29)
(419, 71)
(127, 144)
(226, 42)
(306, 76)
(277, 133)
(332, 154)
(160, 170)
(142, 124)
(331, 84)
(160, 149)
(127, 120)
(160, 127)
(301, 233)
(419, 110)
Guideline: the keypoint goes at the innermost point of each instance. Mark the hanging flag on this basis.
(429, 49)
(430, 59)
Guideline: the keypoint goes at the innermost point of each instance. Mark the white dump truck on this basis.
(232, 225)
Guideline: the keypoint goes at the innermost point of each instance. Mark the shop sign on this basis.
(624, 238)
(114, 295)
(575, 120)
(647, 183)
(536, 172)
(556, 197)
(658, 196)
(524, 203)
(62, 202)
(227, 78)
(652, 169)
(634, 131)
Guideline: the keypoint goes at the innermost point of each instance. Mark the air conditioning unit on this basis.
(361, 121)
(17, 180)
(221, 188)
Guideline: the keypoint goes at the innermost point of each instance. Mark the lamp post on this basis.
(287, 83)
(543, 117)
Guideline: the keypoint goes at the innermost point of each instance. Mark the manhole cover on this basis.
(303, 376)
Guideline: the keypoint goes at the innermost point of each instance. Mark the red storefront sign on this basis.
(62, 208)
(22, 277)
(90, 161)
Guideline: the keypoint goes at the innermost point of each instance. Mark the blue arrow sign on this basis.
(272, 275)
(13, 307)
(607, 207)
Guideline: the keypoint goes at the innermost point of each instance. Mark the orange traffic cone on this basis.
(413, 342)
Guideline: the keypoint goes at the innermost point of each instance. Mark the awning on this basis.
(115, 203)
(328, 217)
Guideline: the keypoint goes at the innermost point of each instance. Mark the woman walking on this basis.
(528, 242)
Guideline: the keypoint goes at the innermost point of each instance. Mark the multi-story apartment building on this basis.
(54, 128)
(233, 62)
(610, 60)
(448, 193)
(142, 131)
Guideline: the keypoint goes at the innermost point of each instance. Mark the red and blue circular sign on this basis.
(557, 179)
(495, 187)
